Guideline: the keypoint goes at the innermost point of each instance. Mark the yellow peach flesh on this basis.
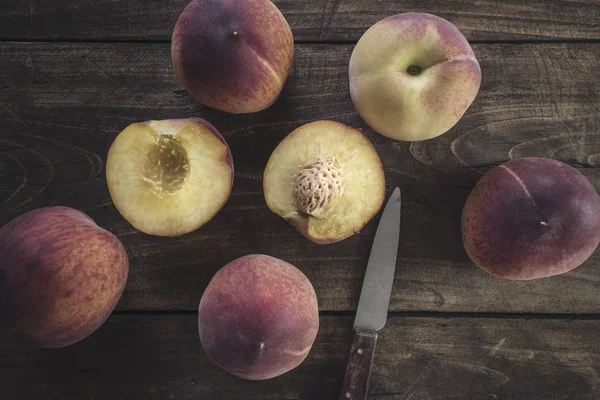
(364, 181)
(166, 180)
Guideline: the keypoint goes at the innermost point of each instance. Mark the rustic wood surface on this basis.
(158, 357)
(74, 74)
(311, 20)
(63, 104)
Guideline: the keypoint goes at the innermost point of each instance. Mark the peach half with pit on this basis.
(168, 178)
(326, 179)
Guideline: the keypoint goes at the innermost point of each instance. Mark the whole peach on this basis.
(530, 218)
(61, 275)
(233, 55)
(258, 317)
(413, 76)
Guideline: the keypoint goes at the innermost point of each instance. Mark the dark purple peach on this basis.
(60, 275)
(233, 55)
(531, 218)
(258, 317)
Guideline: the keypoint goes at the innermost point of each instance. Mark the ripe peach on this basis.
(326, 179)
(61, 275)
(258, 317)
(233, 55)
(413, 76)
(531, 218)
(168, 178)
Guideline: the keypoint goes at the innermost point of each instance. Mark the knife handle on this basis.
(358, 371)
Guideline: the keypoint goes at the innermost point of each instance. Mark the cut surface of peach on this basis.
(168, 178)
(326, 179)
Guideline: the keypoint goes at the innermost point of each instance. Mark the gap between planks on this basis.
(408, 314)
(300, 42)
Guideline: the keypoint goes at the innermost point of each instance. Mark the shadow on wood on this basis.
(155, 356)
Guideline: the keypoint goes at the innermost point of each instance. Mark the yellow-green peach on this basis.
(413, 76)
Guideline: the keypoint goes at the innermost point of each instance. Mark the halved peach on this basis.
(168, 178)
(326, 179)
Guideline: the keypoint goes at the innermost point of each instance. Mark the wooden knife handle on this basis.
(358, 371)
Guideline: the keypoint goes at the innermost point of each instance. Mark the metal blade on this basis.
(377, 286)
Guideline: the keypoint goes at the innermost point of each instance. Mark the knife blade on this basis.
(371, 314)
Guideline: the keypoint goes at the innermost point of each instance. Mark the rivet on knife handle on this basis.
(358, 371)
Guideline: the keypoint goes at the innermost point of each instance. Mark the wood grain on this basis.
(150, 357)
(311, 20)
(63, 104)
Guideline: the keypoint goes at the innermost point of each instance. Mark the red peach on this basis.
(258, 317)
(61, 275)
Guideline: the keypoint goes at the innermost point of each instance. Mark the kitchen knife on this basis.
(371, 314)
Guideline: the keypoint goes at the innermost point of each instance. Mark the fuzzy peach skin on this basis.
(233, 55)
(258, 317)
(531, 218)
(413, 76)
(61, 275)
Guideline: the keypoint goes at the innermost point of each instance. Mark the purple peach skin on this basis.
(531, 218)
(258, 317)
(233, 55)
(60, 276)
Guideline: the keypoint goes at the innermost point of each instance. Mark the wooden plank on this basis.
(160, 357)
(63, 104)
(314, 20)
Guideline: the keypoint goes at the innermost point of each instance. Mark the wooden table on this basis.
(73, 74)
